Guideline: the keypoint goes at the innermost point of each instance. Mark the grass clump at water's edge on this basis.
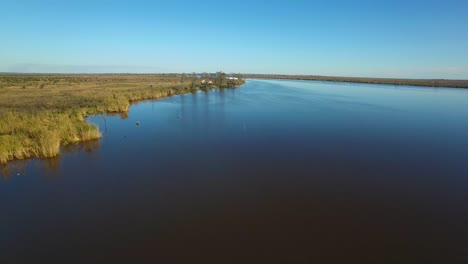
(40, 135)
(36, 122)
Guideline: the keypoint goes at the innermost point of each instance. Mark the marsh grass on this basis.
(36, 122)
(24, 135)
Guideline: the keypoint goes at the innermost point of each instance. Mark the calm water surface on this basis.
(272, 172)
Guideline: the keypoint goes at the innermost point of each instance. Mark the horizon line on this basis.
(255, 74)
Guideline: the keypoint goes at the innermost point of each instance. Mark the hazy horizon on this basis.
(421, 39)
(229, 73)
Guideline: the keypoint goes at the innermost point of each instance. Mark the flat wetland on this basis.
(274, 171)
(41, 112)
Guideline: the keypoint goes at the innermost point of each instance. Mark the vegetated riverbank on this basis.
(413, 82)
(41, 112)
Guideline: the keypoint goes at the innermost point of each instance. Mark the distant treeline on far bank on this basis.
(391, 81)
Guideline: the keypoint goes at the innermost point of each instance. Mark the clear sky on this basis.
(413, 39)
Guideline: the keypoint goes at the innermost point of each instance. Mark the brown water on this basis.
(272, 172)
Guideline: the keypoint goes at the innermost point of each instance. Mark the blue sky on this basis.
(411, 39)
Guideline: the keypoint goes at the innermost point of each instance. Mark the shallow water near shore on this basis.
(273, 171)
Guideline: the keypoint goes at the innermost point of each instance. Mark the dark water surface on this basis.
(272, 172)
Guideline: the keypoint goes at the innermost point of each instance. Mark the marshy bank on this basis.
(389, 81)
(41, 112)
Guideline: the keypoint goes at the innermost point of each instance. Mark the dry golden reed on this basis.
(39, 113)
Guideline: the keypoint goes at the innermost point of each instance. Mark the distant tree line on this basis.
(390, 81)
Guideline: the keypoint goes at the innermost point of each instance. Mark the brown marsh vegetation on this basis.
(41, 112)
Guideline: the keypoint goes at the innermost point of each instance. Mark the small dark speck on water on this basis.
(138, 123)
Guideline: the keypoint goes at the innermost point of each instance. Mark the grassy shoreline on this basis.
(41, 112)
(389, 81)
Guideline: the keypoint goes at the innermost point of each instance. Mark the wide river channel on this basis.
(274, 171)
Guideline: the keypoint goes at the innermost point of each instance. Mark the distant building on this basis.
(232, 78)
(204, 81)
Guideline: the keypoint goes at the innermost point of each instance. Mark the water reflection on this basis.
(87, 146)
(13, 168)
(199, 113)
(48, 166)
(123, 115)
(283, 168)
